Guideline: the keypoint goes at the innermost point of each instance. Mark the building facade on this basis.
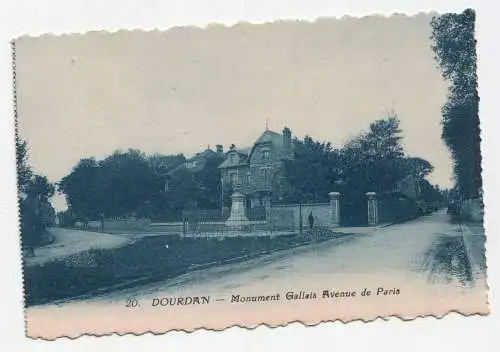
(258, 171)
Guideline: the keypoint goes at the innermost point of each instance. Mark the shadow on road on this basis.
(447, 261)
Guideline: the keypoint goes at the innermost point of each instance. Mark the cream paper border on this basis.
(97, 319)
(486, 23)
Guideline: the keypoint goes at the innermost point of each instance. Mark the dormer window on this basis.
(233, 157)
(191, 164)
(265, 154)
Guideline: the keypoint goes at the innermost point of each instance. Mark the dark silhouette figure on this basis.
(310, 218)
(102, 221)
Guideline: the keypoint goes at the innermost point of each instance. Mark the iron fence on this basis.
(255, 222)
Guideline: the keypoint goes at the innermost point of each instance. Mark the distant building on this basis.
(193, 166)
(258, 171)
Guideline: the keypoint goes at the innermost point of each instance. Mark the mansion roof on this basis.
(267, 137)
(196, 163)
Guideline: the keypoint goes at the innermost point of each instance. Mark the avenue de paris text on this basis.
(287, 296)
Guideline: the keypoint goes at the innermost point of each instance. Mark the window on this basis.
(233, 158)
(265, 154)
(233, 178)
(247, 178)
(266, 173)
(276, 179)
(191, 164)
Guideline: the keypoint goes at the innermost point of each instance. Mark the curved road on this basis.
(423, 267)
(429, 247)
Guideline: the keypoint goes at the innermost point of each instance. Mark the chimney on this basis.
(287, 139)
(219, 149)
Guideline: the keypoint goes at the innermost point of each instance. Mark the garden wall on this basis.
(321, 212)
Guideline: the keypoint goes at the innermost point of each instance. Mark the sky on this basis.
(181, 90)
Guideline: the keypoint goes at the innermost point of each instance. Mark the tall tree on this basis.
(39, 187)
(184, 192)
(373, 161)
(24, 172)
(129, 181)
(36, 212)
(416, 167)
(312, 172)
(455, 52)
(84, 189)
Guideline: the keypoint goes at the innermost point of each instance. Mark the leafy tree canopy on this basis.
(35, 191)
(373, 161)
(455, 50)
(133, 183)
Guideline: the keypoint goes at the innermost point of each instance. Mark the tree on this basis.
(455, 52)
(36, 212)
(129, 181)
(312, 172)
(162, 164)
(84, 189)
(132, 183)
(66, 218)
(120, 185)
(184, 191)
(417, 167)
(40, 187)
(209, 183)
(24, 172)
(373, 161)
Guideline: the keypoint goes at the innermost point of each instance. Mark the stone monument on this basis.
(237, 219)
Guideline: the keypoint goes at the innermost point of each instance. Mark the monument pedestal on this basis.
(237, 219)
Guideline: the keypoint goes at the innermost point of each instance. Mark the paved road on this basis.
(424, 263)
(429, 247)
(69, 242)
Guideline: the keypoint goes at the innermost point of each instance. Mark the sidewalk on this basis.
(474, 241)
(361, 230)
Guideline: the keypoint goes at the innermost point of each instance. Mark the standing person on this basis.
(310, 218)
(102, 221)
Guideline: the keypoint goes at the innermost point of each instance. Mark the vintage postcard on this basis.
(259, 173)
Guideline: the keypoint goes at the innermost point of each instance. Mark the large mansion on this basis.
(258, 171)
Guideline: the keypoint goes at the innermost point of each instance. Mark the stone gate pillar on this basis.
(372, 208)
(334, 209)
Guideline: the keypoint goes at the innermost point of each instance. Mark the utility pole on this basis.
(300, 219)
